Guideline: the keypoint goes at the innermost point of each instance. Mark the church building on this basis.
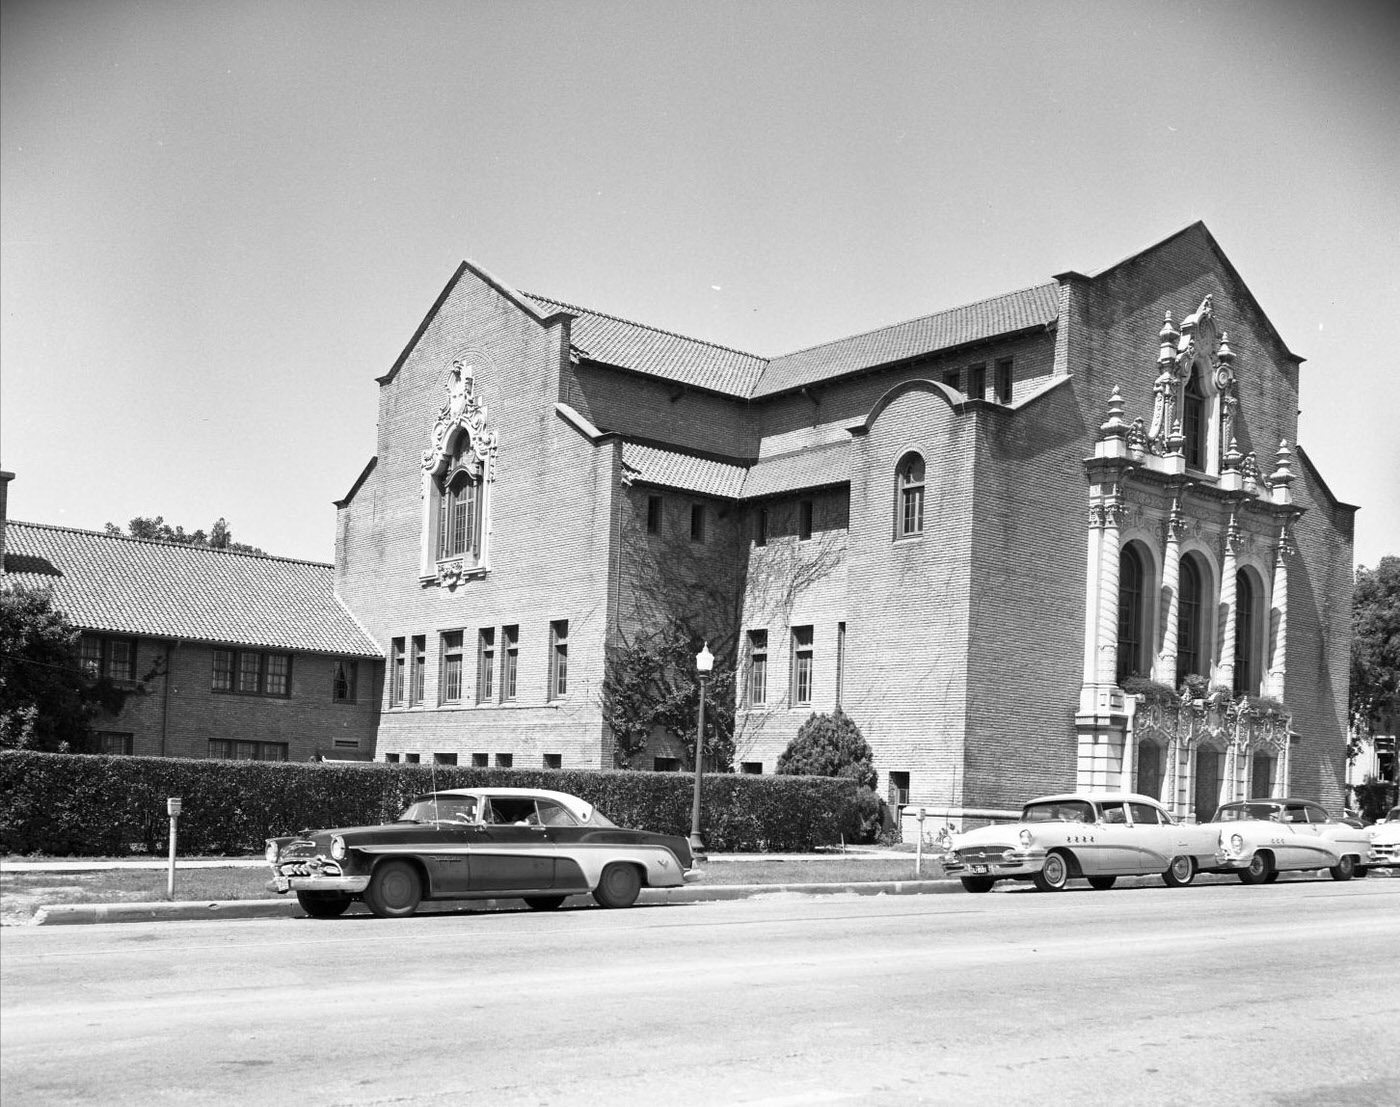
(1002, 538)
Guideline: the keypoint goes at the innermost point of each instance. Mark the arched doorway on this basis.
(1207, 791)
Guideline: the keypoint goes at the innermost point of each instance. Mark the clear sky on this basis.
(221, 221)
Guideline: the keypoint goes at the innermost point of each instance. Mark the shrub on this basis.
(96, 805)
(830, 745)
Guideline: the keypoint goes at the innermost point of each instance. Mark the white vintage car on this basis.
(1096, 835)
(1385, 841)
(1260, 838)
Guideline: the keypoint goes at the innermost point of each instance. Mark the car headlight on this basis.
(338, 850)
(271, 852)
(1236, 842)
(1026, 839)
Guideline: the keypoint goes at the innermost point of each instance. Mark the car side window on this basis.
(1317, 814)
(1113, 813)
(1295, 813)
(556, 814)
(1144, 814)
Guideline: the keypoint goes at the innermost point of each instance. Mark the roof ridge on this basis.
(168, 545)
(917, 318)
(648, 327)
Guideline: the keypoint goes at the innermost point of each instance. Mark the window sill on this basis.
(450, 572)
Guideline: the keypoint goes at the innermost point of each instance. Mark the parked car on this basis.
(1096, 835)
(1260, 838)
(1385, 841)
(478, 843)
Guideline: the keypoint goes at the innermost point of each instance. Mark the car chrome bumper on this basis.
(351, 884)
(692, 875)
(1013, 863)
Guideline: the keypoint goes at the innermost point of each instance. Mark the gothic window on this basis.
(1191, 657)
(909, 520)
(1132, 596)
(461, 496)
(1193, 420)
(1247, 636)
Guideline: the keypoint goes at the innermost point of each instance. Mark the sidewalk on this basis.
(287, 907)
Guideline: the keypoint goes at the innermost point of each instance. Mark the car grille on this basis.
(1387, 853)
(979, 856)
(314, 866)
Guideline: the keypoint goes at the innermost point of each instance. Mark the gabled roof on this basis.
(657, 353)
(687, 472)
(1007, 314)
(116, 585)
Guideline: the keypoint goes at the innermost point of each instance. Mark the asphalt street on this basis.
(1284, 994)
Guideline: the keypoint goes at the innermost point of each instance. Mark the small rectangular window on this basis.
(697, 522)
(666, 764)
(396, 677)
(411, 759)
(250, 673)
(653, 514)
(899, 788)
(840, 660)
(505, 760)
(801, 666)
(1004, 380)
(804, 520)
(450, 676)
(121, 659)
(480, 760)
(111, 742)
(238, 750)
(758, 666)
(92, 656)
(760, 527)
(444, 759)
(953, 379)
(751, 768)
(391, 759)
(510, 662)
(977, 381)
(223, 670)
(553, 761)
(344, 678)
(485, 664)
(420, 662)
(558, 659)
(347, 744)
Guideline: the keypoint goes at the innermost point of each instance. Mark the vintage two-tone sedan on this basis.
(1260, 838)
(1385, 841)
(1096, 835)
(478, 843)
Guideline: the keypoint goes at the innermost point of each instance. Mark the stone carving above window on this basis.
(463, 413)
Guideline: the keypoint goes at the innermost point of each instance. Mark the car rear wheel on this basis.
(1361, 871)
(1102, 883)
(978, 883)
(1054, 874)
(1271, 877)
(1344, 869)
(1180, 872)
(543, 903)
(1260, 865)
(394, 891)
(324, 905)
(618, 886)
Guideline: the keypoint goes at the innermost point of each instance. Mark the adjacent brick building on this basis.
(967, 530)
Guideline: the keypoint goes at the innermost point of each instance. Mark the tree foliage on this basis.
(219, 537)
(652, 683)
(47, 701)
(830, 745)
(1375, 648)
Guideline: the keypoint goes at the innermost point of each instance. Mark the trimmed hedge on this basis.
(94, 805)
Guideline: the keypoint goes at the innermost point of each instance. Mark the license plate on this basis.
(979, 868)
(283, 884)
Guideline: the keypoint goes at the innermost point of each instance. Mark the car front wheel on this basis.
(618, 886)
(1180, 872)
(324, 905)
(394, 891)
(1344, 869)
(1258, 871)
(1054, 874)
(978, 883)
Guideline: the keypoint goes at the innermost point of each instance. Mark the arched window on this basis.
(461, 505)
(1193, 420)
(1190, 620)
(1247, 636)
(1132, 592)
(909, 504)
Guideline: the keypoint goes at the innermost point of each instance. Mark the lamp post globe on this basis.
(704, 662)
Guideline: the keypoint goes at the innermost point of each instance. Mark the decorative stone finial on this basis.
(1233, 457)
(1114, 427)
(1168, 338)
(1283, 475)
(1224, 353)
(1176, 441)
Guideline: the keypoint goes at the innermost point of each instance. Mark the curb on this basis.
(70, 914)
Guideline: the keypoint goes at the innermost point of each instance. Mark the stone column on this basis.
(1228, 572)
(1278, 617)
(1164, 672)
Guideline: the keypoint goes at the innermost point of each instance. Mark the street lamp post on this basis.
(704, 662)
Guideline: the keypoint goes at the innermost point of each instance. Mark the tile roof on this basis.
(613, 341)
(672, 469)
(160, 589)
(689, 361)
(985, 319)
(811, 467)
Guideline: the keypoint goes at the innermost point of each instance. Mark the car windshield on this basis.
(1061, 811)
(435, 809)
(1243, 812)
